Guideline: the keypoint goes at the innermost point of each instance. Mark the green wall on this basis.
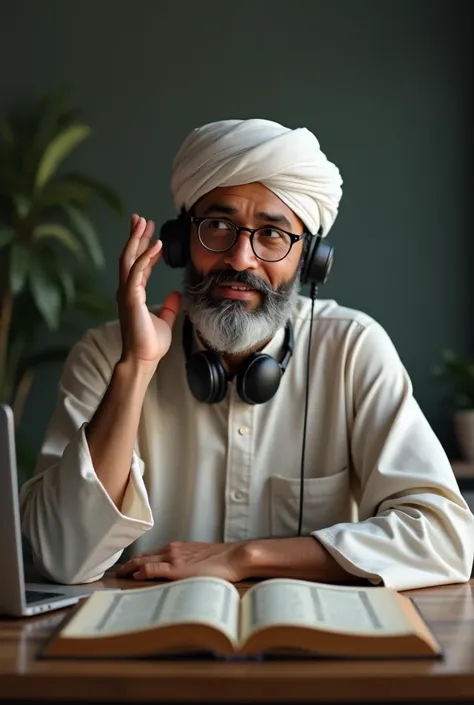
(386, 87)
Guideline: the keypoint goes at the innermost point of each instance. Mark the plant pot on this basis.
(464, 429)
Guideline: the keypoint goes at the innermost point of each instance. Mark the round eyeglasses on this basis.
(268, 243)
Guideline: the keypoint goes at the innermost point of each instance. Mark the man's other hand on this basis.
(188, 560)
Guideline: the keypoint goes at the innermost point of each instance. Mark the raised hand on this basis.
(146, 337)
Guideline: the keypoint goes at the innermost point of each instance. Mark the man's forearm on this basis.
(112, 431)
(304, 558)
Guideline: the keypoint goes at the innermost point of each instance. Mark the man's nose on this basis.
(241, 256)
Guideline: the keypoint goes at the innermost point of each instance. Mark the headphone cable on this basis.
(314, 292)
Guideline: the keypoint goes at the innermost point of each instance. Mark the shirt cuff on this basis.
(332, 539)
(135, 505)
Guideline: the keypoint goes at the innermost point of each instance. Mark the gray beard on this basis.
(227, 326)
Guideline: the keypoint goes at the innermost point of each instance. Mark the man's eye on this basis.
(217, 225)
(272, 233)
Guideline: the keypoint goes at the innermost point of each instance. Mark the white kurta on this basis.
(379, 492)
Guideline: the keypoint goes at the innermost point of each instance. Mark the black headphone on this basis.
(256, 382)
(260, 377)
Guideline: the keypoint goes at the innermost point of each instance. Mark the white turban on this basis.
(288, 162)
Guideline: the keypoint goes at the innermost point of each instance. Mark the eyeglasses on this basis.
(268, 243)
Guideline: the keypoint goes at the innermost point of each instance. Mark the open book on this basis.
(277, 615)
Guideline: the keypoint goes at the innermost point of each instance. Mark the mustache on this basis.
(226, 324)
(202, 285)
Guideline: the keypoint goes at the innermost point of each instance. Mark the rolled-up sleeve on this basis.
(415, 529)
(74, 529)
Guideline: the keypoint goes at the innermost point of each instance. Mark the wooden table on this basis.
(449, 610)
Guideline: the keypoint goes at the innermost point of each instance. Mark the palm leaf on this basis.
(58, 271)
(57, 150)
(107, 194)
(67, 282)
(19, 265)
(51, 108)
(62, 234)
(56, 193)
(46, 293)
(86, 230)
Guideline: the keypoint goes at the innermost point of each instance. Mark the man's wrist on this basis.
(258, 558)
(135, 371)
(301, 557)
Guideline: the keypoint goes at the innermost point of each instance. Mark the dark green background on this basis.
(385, 86)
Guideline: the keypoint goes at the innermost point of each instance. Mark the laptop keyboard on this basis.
(36, 595)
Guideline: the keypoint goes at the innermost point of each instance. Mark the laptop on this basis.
(17, 597)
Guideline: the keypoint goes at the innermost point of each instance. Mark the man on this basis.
(173, 434)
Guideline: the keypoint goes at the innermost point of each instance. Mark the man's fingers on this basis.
(146, 237)
(129, 254)
(140, 265)
(134, 222)
(147, 271)
(170, 308)
(137, 562)
(160, 569)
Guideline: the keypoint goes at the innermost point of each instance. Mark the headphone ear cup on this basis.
(207, 378)
(174, 235)
(259, 380)
(318, 261)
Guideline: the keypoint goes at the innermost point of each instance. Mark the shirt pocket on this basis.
(327, 501)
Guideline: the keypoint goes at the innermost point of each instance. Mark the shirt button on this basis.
(243, 430)
(238, 495)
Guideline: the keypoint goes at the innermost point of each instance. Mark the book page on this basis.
(349, 610)
(208, 601)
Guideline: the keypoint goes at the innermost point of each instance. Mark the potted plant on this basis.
(49, 247)
(457, 372)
